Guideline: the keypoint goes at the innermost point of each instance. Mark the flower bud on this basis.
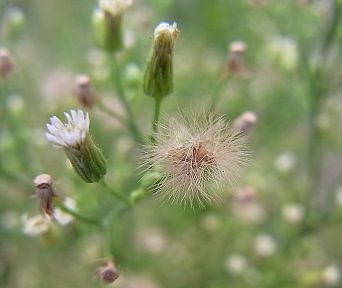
(158, 78)
(245, 122)
(85, 157)
(84, 91)
(44, 192)
(107, 273)
(137, 195)
(6, 64)
(107, 22)
(14, 21)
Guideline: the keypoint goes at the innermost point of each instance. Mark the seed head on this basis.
(198, 157)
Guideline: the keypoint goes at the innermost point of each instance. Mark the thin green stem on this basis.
(122, 96)
(157, 106)
(111, 113)
(115, 193)
(80, 217)
(216, 94)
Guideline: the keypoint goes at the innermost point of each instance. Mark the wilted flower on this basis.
(85, 157)
(235, 62)
(331, 276)
(6, 63)
(235, 264)
(44, 192)
(107, 273)
(198, 156)
(84, 91)
(245, 122)
(265, 245)
(158, 78)
(35, 225)
(293, 213)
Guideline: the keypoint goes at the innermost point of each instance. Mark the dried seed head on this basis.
(44, 192)
(198, 157)
(107, 273)
(245, 122)
(6, 64)
(84, 91)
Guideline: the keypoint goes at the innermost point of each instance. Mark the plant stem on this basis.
(79, 216)
(215, 97)
(115, 193)
(122, 96)
(157, 106)
(111, 113)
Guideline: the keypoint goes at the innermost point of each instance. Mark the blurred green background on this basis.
(291, 80)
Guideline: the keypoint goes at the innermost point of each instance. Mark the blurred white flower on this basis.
(265, 245)
(293, 213)
(35, 225)
(338, 196)
(71, 134)
(285, 162)
(210, 222)
(151, 240)
(235, 264)
(331, 275)
(284, 50)
(114, 7)
(62, 217)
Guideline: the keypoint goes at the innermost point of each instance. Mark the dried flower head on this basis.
(198, 156)
(84, 91)
(107, 273)
(6, 64)
(245, 122)
(44, 192)
(236, 61)
(73, 136)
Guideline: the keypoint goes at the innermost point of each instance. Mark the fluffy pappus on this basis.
(198, 155)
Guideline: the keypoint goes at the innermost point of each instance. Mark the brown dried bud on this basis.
(44, 192)
(107, 273)
(6, 64)
(84, 91)
(236, 60)
(245, 122)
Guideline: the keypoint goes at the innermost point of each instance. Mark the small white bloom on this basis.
(284, 50)
(285, 162)
(331, 275)
(114, 7)
(35, 225)
(265, 245)
(293, 213)
(62, 217)
(165, 29)
(71, 134)
(235, 264)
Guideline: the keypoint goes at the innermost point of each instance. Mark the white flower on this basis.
(293, 213)
(35, 225)
(235, 264)
(62, 217)
(71, 134)
(331, 275)
(265, 245)
(114, 7)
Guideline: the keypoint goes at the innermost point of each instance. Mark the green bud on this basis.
(158, 78)
(107, 23)
(138, 195)
(150, 179)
